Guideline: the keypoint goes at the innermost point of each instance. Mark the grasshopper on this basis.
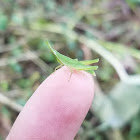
(74, 64)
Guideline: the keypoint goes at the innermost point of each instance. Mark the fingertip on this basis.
(57, 108)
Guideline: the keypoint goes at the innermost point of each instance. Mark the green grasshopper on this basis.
(73, 64)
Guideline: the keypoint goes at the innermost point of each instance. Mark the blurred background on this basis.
(83, 29)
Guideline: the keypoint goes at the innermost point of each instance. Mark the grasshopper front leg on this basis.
(58, 67)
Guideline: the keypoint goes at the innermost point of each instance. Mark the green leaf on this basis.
(120, 106)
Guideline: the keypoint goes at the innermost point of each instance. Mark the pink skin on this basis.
(57, 108)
